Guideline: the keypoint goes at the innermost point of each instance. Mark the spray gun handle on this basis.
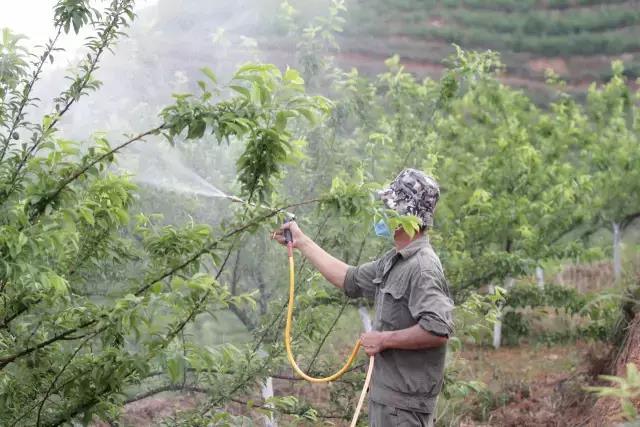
(288, 237)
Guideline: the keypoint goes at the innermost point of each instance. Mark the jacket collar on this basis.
(414, 246)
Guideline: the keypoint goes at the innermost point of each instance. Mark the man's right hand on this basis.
(331, 268)
(299, 238)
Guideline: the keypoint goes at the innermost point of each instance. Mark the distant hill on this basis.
(578, 39)
(173, 39)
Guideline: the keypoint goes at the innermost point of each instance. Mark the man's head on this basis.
(412, 193)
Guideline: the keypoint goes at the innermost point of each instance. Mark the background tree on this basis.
(611, 154)
(65, 352)
(103, 305)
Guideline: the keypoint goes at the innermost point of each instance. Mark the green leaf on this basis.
(196, 129)
(174, 368)
(308, 114)
(210, 74)
(87, 215)
(293, 76)
(281, 121)
(242, 91)
(629, 409)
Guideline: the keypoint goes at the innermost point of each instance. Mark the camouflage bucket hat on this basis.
(412, 193)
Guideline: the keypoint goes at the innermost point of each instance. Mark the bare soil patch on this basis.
(541, 386)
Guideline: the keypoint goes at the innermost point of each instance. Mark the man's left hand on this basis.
(373, 342)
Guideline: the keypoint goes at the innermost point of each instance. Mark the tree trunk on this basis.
(617, 255)
(266, 390)
(497, 327)
(540, 277)
(263, 301)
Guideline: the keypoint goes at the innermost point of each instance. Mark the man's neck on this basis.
(402, 239)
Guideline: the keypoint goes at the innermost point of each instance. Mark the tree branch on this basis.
(64, 418)
(9, 319)
(61, 336)
(326, 335)
(202, 390)
(243, 317)
(8, 359)
(43, 204)
(226, 236)
(27, 91)
(107, 36)
(627, 220)
(59, 374)
(60, 387)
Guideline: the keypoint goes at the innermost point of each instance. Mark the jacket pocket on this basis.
(394, 310)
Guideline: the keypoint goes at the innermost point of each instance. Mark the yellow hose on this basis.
(363, 393)
(287, 337)
(292, 360)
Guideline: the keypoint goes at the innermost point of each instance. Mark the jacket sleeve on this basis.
(359, 280)
(430, 304)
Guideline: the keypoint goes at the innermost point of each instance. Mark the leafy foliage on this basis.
(625, 389)
(267, 101)
(551, 28)
(98, 299)
(598, 312)
(67, 349)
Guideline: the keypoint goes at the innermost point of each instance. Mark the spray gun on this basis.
(288, 237)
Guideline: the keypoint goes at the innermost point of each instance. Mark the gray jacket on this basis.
(409, 288)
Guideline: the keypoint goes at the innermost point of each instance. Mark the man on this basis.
(413, 318)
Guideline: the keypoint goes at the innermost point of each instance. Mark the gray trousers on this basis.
(386, 416)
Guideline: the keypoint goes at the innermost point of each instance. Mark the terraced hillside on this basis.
(576, 38)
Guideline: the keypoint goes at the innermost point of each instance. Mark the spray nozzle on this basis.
(288, 237)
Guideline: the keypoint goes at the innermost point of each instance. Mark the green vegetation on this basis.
(95, 298)
(105, 303)
(625, 389)
(503, 5)
(570, 30)
(536, 23)
(607, 30)
(593, 316)
(611, 42)
(527, 5)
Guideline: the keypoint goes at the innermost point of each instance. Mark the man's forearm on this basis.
(329, 266)
(413, 338)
